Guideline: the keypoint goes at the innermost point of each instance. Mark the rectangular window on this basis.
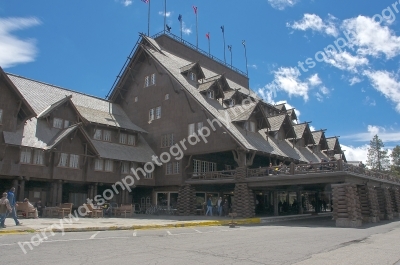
(252, 126)
(74, 161)
(63, 160)
(66, 123)
(192, 76)
(149, 175)
(1, 116)
(57, 123)
(146, 81)
(131, 139)
(166, 96)
(167, 140)
(158, 112)
(123, 138)
(191, 129)
(108, 165)
(210, 94)
(168, 169)
(97, 134)
(151, 114)
(231, 103)
(203, 166)
(125, 168)
(153, 79)
(25, 156)
(176, 167)
(199, 125)
(107, 136)
(38, 157)
(98, 165)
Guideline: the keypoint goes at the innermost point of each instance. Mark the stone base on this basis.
(374, 219)
(389, 217)
(344, 222)
(396, 215)
(366, 219)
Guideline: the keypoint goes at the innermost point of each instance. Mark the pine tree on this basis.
(395, 168)
(378, 158)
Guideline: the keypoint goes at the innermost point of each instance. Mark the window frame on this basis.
(129, 142)
(167, 140)
(211, 94)
(153, 79)
(28, 153)
(125, 167)
(151, 114)
(97, 163)
(1, 116)
(147, 81)
(158, 113)
(99, 133)
(38, 157)
(73, 161)
(107, 136)
(172, 168)
(123, 138)
(62, 156)
(59, 122)
(108, 165)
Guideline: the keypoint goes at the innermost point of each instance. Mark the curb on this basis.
(138, 227)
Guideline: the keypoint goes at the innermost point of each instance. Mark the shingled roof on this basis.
(43, 96)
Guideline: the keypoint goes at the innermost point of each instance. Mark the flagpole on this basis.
(180, 20)
(165, 14)
(181, 30)
(230, 49)
(148, 23)
(197, 31)
(245, 55)
(209, 46)
(223, 36)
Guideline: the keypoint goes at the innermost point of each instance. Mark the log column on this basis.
(395, 195)
(385, 204)
(346, 205)
(186, 204)
(244, 201)
(21, 191)
(299, 202)
(373, 204)
(276, 204)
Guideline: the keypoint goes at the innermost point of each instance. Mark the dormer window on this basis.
(97, 134)
(192, 76)
(57, 123)
(1, 116)
(232, 102)
(210, 94)
(150, 80)
(250, 126)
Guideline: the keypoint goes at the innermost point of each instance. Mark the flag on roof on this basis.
(195, 9)
(223, 29)
(208, 35)
(180, 17)
(244, 42)
(145, 1)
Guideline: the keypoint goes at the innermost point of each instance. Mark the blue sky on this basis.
(297, 52)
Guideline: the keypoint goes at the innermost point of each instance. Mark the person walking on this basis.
(209, 206)
(219, 205)
(5, 207)
(13, 204)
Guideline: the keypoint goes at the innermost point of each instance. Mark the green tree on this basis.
(377, 158)
(395, 168)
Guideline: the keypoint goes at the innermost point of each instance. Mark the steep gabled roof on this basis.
(40, 96)
(281, 106)
(25, 106)
(333, 144)
(239, 113)
(292, 114)
(53, 106)
(276, 122)
(302, 130)
(195, 68)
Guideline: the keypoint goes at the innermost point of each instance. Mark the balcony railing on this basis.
(224, 174)
(296, 169)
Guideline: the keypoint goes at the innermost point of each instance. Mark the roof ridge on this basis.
(66, 89)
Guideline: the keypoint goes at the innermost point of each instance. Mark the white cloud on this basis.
(282, 4)
(369, 101)
(14, 50)
(315, 23)
(346, 61)
(287, 80)
(314, 80)
(387, 83)
(253, 66)
(324, 90)
(126, 2)
(373, 130)
(354, 80)
(355, 153)
(167, 14)
(371, 37)
(312, 128)
(185, 30)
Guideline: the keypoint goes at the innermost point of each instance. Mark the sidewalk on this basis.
(137, 221)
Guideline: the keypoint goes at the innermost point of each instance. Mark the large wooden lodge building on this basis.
(60, 145)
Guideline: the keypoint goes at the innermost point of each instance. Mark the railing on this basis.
(224, 174)
(265, 171)
(317, 167)
(199, 50)
(370, 173)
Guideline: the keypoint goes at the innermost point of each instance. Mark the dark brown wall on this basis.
(176, 115)
(9, 105)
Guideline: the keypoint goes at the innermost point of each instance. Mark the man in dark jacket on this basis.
(4, 209)
(13, 204)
